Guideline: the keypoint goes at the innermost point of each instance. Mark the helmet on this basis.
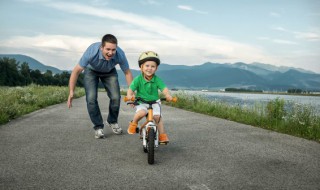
(149, 56)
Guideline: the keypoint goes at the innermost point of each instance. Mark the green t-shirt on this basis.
(147, 90)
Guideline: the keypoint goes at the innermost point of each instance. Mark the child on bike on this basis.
(146, 86)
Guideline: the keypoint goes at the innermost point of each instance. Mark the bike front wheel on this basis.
(151, 137)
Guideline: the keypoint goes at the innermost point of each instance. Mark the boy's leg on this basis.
(159, 123)
(163, 137)
(139, 115)
(134, 123)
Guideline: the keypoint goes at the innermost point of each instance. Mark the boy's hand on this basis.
(168, 98)
(129, 97)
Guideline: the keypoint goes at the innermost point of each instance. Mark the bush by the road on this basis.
(18, 101)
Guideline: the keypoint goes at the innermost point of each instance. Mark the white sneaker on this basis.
(99, 134)
(115, 128)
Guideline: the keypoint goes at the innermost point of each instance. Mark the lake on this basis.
(247, 99)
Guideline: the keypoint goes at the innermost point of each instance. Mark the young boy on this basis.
(146, 86)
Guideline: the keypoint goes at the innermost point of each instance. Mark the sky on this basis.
(182, 32)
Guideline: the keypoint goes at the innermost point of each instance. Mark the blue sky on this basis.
(189, 32)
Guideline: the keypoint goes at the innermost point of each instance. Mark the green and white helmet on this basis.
(149, 56)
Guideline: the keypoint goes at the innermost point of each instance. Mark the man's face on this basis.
(108, 50)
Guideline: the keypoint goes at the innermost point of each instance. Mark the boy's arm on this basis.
(166, 92)
(130, 94)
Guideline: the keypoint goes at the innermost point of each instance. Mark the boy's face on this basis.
(108, 50)
(149, 68)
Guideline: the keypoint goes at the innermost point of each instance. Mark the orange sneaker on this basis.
(132, 128)
(163, 138)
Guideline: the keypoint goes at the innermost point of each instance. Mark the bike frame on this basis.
(148, 130)
(145, 128)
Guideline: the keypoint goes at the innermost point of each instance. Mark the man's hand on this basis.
(72, 82)
(70, 100)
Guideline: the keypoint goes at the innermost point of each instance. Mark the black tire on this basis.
(151, 136)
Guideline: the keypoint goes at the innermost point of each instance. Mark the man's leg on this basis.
(91, 82)
(112, 87)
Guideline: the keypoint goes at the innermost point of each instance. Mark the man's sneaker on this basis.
(132, 129)
(163, 138)
(99, 134)
(115, 128)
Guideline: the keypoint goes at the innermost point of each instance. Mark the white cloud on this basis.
(185, 7)
(280, 41)
(60, 51)
(279, 28)
(99, 2)
(274, 14)
(189, 8)
(309, 36)
(149, 2)
(175, 43)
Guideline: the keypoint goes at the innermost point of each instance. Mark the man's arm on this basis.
(128, 76)
(72, 82)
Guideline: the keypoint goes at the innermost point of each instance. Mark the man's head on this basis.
(108, 46)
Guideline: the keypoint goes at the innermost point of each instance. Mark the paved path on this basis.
(55, 148)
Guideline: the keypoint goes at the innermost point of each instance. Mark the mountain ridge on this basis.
(33, 63)
(216, 75)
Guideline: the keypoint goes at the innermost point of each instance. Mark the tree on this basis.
(9, 74)
(36, 77)
(294, 91)
(25, 72)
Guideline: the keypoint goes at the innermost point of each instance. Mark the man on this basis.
(98, 62)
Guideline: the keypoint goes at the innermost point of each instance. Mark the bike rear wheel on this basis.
(151, 136)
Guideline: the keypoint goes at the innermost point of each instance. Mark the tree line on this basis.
(241, 90)
(12, 73)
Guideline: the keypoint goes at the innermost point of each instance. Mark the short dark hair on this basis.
(109, 38)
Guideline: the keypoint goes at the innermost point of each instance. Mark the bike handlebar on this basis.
(126, 99)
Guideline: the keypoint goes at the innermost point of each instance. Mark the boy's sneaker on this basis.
(163, 138)
(99, 134)
(132, 129)
(115, 128)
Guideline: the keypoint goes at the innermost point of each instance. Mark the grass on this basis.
(284, 117)
(18, 101)
(289, 118)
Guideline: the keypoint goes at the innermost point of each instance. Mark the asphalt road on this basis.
(55, 148)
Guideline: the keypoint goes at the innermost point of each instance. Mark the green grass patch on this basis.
(284, 117)
(18, 101)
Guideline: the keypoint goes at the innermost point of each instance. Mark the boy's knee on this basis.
(156, 118)
(141, 113)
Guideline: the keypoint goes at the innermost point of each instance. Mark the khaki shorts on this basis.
(156, 108)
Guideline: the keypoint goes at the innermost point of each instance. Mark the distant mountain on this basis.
(257, 76)
(281, 69)
(238, 75)
(294, 79)
(33, 64)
